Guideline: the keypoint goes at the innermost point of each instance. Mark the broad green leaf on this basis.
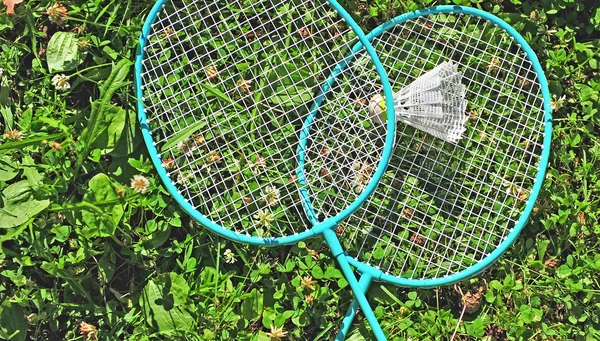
(332, 272)
(302, 319)
(94, 74)
(586, 92)
(62, 53)
(130, 137)
(299, 95)
(5, 109)
(13, 324)
(378, 253)
(269, 315)
(101, 219)
(110, 129)
(6, 23)
(317, 272)
(476, 328)
(166, 305)
(116, 80)
(252, 306)
(17, 192)
(19, 205)
(55, 124)
(29, 170)
(25, 119)
(158, 236)
(8, 168)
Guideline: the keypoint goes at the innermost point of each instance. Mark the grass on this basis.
(85, 256)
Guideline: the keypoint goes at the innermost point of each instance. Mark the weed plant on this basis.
(92, 247)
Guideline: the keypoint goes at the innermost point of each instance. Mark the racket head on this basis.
(413, 231)
(166, 26)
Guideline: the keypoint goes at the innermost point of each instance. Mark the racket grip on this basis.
(364, 282)
(338, 252)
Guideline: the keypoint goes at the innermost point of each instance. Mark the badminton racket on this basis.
(460, 186)
(250, 109)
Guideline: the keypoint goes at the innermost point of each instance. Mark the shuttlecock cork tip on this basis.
(377, 109)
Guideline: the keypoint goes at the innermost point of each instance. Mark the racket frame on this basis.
(203, 219)
(379, 275)
(370, 273)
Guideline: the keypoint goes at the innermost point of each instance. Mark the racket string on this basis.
(443, 207)
(227, 96)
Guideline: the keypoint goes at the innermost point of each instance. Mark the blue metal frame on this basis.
(319, 227)
(370, 273)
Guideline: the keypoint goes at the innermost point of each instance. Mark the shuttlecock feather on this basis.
(434, 103)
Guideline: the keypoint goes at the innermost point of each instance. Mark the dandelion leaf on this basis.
(13, 325)
(8, 168)
(110, 129)
(103, 210)
(18, 205)
(166, 304)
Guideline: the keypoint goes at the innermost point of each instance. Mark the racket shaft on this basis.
(336, 249)
(364, 283)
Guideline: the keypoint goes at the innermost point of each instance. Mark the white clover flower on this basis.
(139, 183)
(61, 82)
(271, 195)
(264, 218)
(557, 103)
(185, 146)
(183, 178)
(259, 164)
(229, 256)
(277, 333)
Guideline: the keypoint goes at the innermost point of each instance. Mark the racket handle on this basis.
(338, 252)
(364, 283)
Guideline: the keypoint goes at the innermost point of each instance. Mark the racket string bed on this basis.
(226, 100)
(443, 207)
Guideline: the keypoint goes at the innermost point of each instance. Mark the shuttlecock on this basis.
(434, 103)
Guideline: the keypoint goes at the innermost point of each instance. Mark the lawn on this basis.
(93, 247)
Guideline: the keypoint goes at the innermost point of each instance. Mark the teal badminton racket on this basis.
(460, 186)
(251, 109)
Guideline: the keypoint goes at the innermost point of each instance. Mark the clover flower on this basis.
(229, 256)
(57, 13)
(185, 146)
(494, 64)
(211, 72)
(61, 82)
(276, 333)
(271, 195)
(557, 103)
(258, 165)
(169, 163)
(14, 135)
(264, 218)
(243, 85)
(140, 183)
(307, 282)
(55, 145)
(89, 331)
(183, 178)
